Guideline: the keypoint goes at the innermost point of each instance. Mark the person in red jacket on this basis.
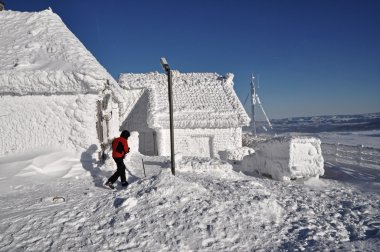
(119, 150)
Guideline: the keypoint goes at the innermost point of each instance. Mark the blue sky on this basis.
(313, 57)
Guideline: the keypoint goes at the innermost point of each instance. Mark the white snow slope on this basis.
(40, 55)
(54, 201)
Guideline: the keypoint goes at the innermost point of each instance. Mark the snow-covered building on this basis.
(208, 116)
(53, 92)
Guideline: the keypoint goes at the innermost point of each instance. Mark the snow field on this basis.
(193, 211)
(161, 212)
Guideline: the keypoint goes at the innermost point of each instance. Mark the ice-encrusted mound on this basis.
(207, 166)
(285, 158)
(236, 154)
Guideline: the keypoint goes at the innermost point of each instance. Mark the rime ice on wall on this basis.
(286, 158)
(28, 123)
(201, 100)
(208, 115)
(49, 85)
(199, 142)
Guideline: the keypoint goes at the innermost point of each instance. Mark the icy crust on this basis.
(285, 158)
(201, 100)
(40, 55)
(51, 122)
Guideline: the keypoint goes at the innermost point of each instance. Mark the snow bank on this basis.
(39, 166)
(285, 158)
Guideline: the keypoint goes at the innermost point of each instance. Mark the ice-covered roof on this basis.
(201, 100)
(40, 55)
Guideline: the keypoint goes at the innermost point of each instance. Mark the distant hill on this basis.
(314, 124)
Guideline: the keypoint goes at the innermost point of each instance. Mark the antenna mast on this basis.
(255, 99)
(253, 96)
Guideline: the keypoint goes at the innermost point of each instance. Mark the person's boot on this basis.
(110, 185)
(124, 184)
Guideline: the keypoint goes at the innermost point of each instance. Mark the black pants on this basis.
(120, 172)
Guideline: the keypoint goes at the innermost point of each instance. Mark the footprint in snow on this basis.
(54, 200)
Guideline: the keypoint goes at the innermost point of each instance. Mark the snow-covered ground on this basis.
(54, 200)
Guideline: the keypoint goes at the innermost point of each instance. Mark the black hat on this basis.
(125, 134)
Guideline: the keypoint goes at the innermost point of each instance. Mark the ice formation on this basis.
(201, 100)
(285, 158)
(49, 86)
(208, 115)
(236, 154)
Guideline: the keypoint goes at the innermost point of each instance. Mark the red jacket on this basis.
(119, 147)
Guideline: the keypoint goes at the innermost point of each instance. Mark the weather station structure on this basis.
(255, 100)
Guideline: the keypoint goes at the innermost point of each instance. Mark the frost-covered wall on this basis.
(199, 142)
(137, 121)
(200, 100)
(137, 118)
(28, 123)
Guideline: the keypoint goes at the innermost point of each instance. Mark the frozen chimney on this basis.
(2, 6)
(229, 78)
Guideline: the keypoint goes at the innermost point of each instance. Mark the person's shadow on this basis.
(91, 165)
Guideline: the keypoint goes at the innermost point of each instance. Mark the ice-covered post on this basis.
(253, 94)
(166, 67)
